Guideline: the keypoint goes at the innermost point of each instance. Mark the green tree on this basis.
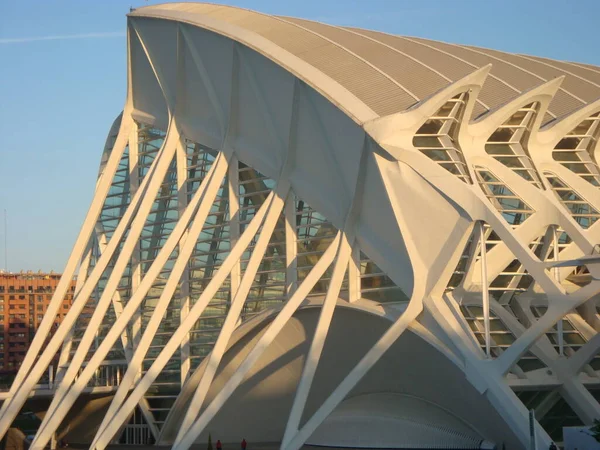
(209, 442)
(596, 430)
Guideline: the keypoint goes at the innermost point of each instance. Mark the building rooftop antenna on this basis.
(5, 240)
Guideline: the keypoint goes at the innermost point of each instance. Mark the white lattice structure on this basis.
(270, 175)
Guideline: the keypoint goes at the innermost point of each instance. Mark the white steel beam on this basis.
(354, 280)
(65, 353)
(234, 218)
(113, 422)
(184, 289)
(318, 342)
(61, 405)
(233, 316)
(126, 340)
(265, 340)
(208, 192)
(291, 246)
(136, 268)
(31, 369)
(559, 324)
(356, 374)
(155, 179)
(485, 294)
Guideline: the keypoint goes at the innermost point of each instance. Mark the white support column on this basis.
(31, 369)
(113, 422)
(354, 281)
(263, 343)
(366, 363)
(65, 352)
(485, 295)
(318, 342)
(61, 405)
(184, 289)
(581, 400)
(234, 218)
(233, 315)
(136, 268)
(211, 185)
(145, 198)
(116, 301)
(125, 337)
(559, 324)
(291, 246)
(558, 307)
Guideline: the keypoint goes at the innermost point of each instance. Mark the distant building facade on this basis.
(24, 298)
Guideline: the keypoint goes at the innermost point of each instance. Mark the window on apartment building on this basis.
(1, 307)
(11, 297)
(21, 306)
(40, 317)
(40, 307)
(1, 298)
(21, 297)
(40, 298)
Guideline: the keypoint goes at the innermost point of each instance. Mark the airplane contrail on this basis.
(102, 35)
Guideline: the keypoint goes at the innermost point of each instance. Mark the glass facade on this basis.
(312, 235)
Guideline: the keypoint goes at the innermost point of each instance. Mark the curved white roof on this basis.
(388, 73)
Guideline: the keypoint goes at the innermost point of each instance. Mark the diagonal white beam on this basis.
(584, 355)
(209, 191)
(136, 267)
(102, 188)
(234, 218)
(265, 340)
(318, 342)
(61, 405)
(356, 374)
(291, 246)
(126, 340)
(116, 303)
(156, 178)
(65, 352)
(22, 387)
(184, 290)
(558, 307)
(235, 310)
(114, 421)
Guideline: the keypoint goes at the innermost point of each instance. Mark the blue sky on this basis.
(62, 82)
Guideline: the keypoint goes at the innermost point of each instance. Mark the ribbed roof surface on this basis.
(390, 73)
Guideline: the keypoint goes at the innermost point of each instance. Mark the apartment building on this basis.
(24, 298)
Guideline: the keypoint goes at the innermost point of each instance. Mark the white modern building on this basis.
(311, 234)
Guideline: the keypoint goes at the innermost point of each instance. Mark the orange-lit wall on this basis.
(24, 298)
